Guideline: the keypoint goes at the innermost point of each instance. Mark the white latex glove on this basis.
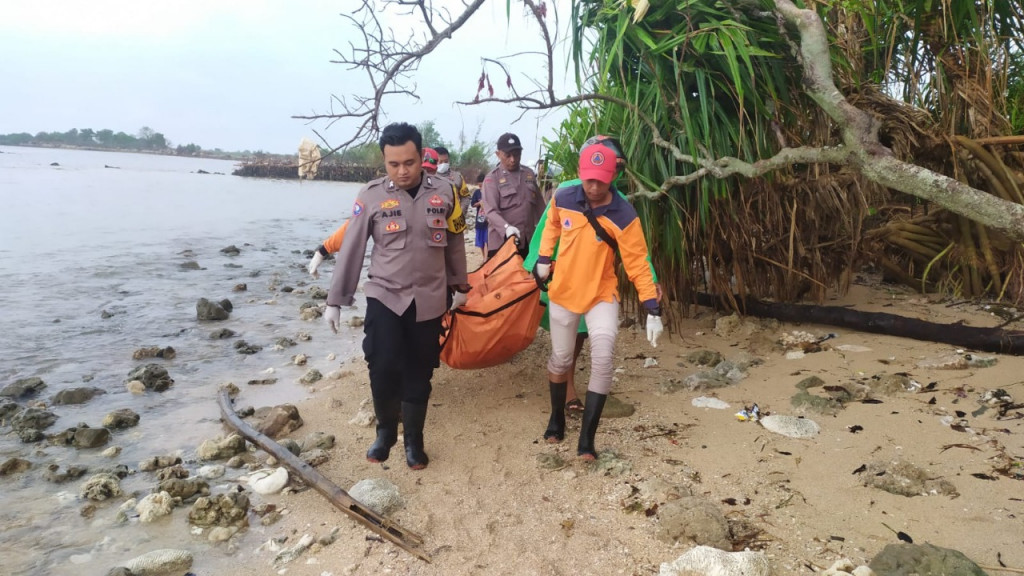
(511, 231)
(543, 271)
(315, 263)
(459, 299)
(333, 317)
(654, 329)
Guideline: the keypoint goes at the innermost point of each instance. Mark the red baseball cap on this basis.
(430, 159)
(597, 162)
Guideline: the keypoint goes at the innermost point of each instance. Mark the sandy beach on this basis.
(496, 499)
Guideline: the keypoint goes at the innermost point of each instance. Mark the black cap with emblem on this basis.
(509, 142)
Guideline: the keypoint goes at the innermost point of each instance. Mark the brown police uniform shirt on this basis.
(418, 249)
(511, 198)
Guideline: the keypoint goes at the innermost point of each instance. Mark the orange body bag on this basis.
(500, 317)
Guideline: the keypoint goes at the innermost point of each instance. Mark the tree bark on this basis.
(957, 334)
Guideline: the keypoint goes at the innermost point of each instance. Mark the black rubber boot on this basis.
(386, 411)
(413, 416)
(591, 416)
(556, 424)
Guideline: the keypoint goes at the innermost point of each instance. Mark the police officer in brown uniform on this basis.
(418, 255)
(512, 202)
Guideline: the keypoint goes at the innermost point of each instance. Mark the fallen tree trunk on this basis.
(971, 337)
(408, 541)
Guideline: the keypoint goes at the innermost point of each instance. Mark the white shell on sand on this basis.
(709, 402)
(708, 561)
(791, 426)
(268, 481)
(160, 562)
(846, 567)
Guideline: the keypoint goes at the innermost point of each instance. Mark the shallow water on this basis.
(108, 232)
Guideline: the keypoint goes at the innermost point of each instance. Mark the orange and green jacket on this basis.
(585, 274)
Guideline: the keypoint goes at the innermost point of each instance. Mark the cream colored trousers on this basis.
(602, 325)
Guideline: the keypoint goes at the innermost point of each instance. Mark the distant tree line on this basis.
(146, 140)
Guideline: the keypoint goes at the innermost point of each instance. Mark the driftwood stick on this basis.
(404, 539)
(971, 337)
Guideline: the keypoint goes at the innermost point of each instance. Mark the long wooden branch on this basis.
(971, 337)
(404, 539)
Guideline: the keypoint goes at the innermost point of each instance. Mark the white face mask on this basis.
(443, 167)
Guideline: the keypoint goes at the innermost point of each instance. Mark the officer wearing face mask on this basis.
(444, 168)
(512, 202)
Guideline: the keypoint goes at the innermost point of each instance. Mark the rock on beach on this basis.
(160, 563)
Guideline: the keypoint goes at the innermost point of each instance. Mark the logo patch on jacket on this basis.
(392, 227)
(357, 208)
(437, 237)
(437, 223)
(389, 204)
(567, 223)
(436, 200)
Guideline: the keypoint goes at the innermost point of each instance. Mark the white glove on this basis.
(333, 317)
(459, 299)
(654, 329)
(543, 271)
(315, 263)
(511, 230)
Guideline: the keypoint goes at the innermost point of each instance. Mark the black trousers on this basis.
(401, 352)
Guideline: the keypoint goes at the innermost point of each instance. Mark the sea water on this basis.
(91, 252)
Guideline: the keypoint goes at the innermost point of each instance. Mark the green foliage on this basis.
(710, 81)
(367, 154)
(431, 137)
(472, 160)
(721, 80)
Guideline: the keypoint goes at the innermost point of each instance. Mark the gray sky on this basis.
(230, 74)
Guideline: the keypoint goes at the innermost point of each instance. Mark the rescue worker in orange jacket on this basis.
(588, 222)
(418, 255)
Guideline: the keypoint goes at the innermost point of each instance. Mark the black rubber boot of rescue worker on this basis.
(591, 416)
(413, 416)
(386, 411)
(556, 424)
